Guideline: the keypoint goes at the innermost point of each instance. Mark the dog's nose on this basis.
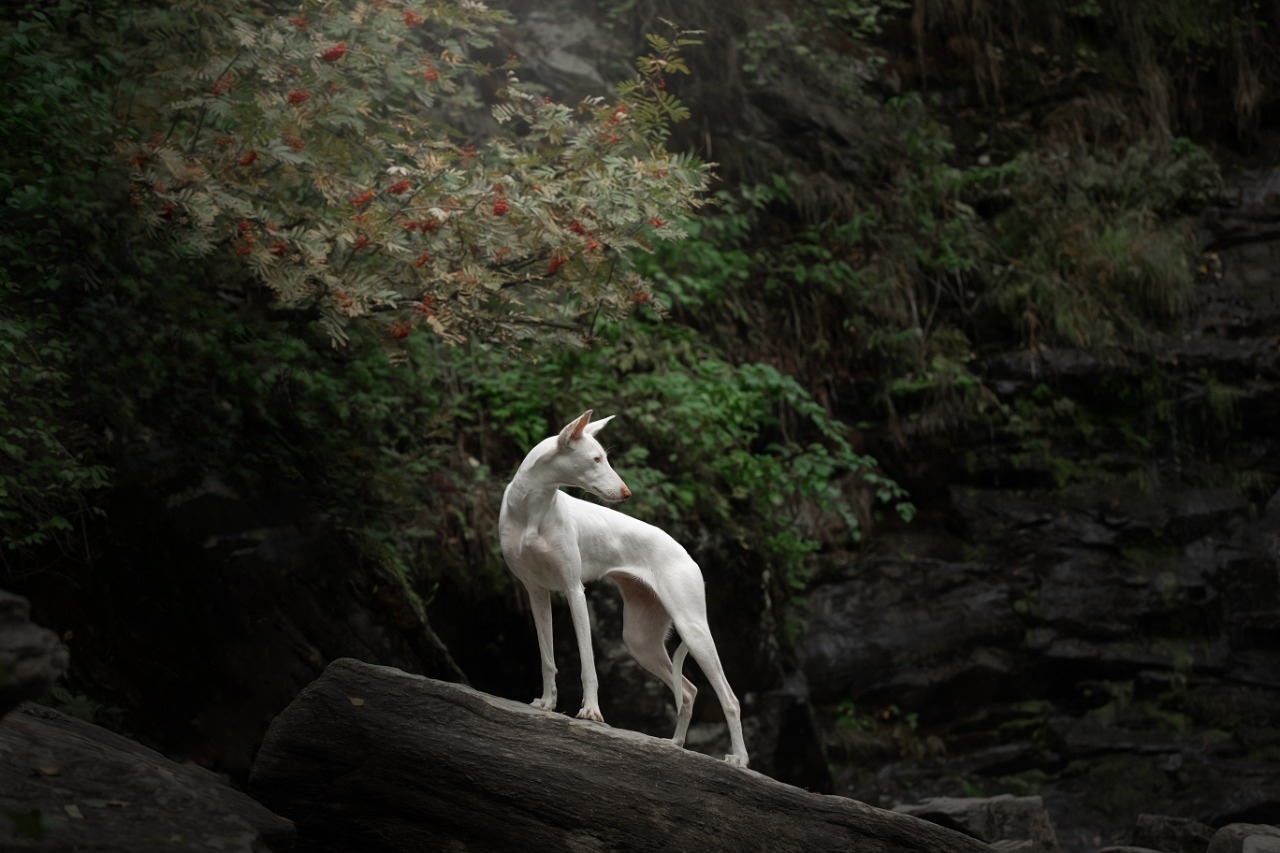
(626, 493)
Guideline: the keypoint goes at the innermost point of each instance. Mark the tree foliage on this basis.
(56, 126)
(241, 186)
(191, 190)
(340, 152)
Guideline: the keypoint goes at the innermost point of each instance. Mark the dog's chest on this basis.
(537, 556)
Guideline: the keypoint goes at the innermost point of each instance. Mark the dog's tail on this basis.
(677, 675)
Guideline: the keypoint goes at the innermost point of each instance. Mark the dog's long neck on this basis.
(529, 496)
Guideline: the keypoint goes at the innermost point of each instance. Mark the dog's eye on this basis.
(599, 459)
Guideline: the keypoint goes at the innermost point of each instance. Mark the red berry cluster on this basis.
(244, 241)
(591, 243)
(223, 84)
(609, 136)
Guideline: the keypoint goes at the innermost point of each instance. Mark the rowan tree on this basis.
(344, 152)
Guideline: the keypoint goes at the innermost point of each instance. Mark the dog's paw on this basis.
(544, 704)
(591, 714)
(735, 761)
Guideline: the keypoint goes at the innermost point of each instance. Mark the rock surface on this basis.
(68, 785)
(1171, 834)
(1245, 838)
(370, 758)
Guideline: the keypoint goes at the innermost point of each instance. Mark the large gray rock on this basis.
(1245, 838)
(370, 758)
(31, 657)
(67, 785)
(911, 629)
(1007, 822)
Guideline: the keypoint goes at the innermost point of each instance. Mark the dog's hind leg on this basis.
(697, 636)
(645, 624)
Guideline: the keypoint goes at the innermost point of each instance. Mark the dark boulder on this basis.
(68, 785)
(370, 758)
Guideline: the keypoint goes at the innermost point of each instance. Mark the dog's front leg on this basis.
(582, 628)
(540, 604)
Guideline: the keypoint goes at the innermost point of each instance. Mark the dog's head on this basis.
(581, 460)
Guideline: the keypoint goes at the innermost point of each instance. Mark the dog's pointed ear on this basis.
(573, 430)
(595, 426)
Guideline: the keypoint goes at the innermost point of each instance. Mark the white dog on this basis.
(553, 541)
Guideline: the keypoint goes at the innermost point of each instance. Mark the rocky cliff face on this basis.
(1112, 644)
